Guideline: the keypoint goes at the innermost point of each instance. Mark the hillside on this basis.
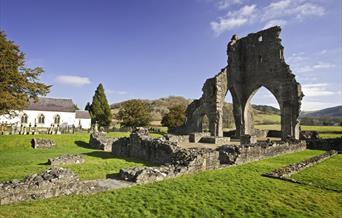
(263, 114)
(327, 112)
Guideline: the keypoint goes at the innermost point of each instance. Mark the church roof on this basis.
(82, 115)
(52, 104)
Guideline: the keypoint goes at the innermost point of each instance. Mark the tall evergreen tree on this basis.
(17, 83)
(87, 107)
(100, 109)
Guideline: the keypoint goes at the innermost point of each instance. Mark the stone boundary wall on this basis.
(325, 144)
(285, 172)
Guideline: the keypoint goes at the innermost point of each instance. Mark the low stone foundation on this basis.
(50, 183)
(283, 173)
(177, 138)
(237, 154)
(66, 159)
(325, 144)
(42, 143)
(196, 137)
(183, 161)
(215, 140)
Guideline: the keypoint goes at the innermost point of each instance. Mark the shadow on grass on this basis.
(112, 176)
(82, 144)
(100, 154)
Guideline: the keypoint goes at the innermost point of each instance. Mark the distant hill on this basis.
(327, 112)
(263, 114)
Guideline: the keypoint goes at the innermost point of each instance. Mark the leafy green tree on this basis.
(134, 113)
(175, 117)
(17, 83)
(100, 110)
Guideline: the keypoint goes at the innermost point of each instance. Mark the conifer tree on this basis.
(100, 109)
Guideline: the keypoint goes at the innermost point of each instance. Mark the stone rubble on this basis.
(66, 159)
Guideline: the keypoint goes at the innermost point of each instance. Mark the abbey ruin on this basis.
(254, 61)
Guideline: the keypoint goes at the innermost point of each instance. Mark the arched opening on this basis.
(24, 119)
(228, 121)
(41, 119)
(57, 119)
(264, 114)
(205, 123)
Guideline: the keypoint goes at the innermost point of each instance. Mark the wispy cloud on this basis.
(308, 105)
(233, 19)
(275, 13)
(71, 80)
(315, 90)
(224, 4)
(115, 92)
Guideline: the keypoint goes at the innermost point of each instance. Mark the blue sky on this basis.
(157, 48)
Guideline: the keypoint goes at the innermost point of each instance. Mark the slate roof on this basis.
(82, 115)
(52, 104)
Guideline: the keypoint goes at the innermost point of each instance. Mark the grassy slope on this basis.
(237, 191)
(18, 159)
(327, 174)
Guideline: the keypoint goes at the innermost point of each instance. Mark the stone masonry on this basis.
(254, 61)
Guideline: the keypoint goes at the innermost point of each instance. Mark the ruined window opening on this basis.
(260, 59)
(205, 123)
(260, 39)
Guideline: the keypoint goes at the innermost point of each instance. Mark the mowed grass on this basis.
(238, 191)
(18, 159)
(327, 174)
(325, 131)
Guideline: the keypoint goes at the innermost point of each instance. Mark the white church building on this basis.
(47, 112)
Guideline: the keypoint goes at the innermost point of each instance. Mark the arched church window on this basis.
(57, 119)
(41, 119)
(24, 118)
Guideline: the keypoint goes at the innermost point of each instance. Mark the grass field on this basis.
(326, 174)
(18, 159)
(238, 191)
(324, 131)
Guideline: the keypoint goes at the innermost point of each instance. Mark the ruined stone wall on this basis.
(325, 144)
(50, 183)
(99, 140)
(254, 61)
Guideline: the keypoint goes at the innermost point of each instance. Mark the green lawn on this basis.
(239, 191)
(326, 174)
(18, 159)
(325, 131)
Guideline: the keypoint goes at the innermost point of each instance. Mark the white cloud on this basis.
(322, 65)
(109, 91)
(300, 68)
(272, 23)
(223, 4)
(73, 80)
(233, 19)
(278, 12)
(316, 90)
(315, 105)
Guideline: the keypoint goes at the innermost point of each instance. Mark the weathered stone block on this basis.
(42, 143)
(247, 139)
